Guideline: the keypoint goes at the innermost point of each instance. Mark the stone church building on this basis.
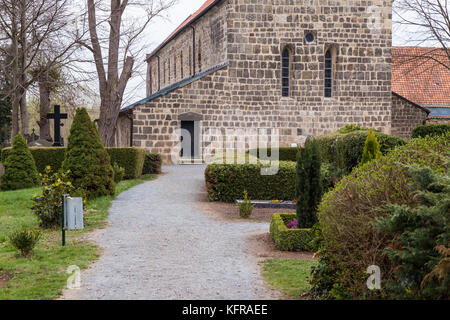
(303, 67)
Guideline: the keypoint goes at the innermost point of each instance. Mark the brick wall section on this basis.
(405, 117)
(438, 121)
(250, 36)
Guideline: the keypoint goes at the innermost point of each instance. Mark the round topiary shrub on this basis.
(20, 168)
(90, 169)
(348, 213)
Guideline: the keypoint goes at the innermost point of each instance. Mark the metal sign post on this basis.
(63, 199)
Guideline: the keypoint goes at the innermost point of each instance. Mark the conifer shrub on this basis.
(20, 168)
(308, 185)
(420, 249)
(25, 240)
(246, 207)
(371, 148)
(87, 159)
(348, 214)
(119, 172)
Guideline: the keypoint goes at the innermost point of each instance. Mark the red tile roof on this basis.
(207, 5)
(422, 75)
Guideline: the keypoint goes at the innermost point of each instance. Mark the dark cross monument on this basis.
(57, 116)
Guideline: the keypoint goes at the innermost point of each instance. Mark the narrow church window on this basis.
(181, 65)
(175, 67)
(190, 60)
(285, 73)
(199, 56)
(328, 74)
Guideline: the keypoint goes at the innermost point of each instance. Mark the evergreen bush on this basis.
(87, 159)
(152, 163)
(119, 172)
(20, 168)
(371, 148)
(308, 185)
(421, 240)
(348, 213)
(25, 240)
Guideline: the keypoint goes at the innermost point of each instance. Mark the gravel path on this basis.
(160, 245)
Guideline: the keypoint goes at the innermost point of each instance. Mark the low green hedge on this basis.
(285, 154)
(152, 163)
(131, 159)
(227, 182)
(430, 130)
(43, 157)
(289, 239)
(344, 150)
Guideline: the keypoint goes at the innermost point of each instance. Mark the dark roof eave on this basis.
(174, 86)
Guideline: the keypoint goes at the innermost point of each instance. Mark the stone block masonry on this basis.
(251, 36)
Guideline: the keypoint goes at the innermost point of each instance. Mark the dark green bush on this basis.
(430, 130)
(285, 154)
(347, 214)
(152, 163)
(344, 148)
(44, 157)
(227, 182)
(421, 238)
(289, 239)
(25, 240)
(20, 169)
(119, 172)
(308, 185)
(131, 159)
(350, 147)
(87, 159)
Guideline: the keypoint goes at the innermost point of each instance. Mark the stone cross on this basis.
(57, 116)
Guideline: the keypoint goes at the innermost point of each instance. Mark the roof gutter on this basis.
(162, 45)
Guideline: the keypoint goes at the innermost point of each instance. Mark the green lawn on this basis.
(290, 276)
(44, 276)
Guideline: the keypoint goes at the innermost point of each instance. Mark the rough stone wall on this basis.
(247, 94)
(405, 117)
(438, 121)
(156, 122)
(258, 32)
(176, 60)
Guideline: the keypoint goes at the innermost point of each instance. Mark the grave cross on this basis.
(57, 116)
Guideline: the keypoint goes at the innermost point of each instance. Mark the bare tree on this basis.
(109, 30)
(28, 28)
(428, 23)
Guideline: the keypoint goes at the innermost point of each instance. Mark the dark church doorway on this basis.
(188, 143)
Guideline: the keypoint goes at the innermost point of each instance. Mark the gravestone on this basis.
(40, 143)
(57, 116)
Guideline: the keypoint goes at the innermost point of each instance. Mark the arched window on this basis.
(285, 73)
(181, 65)
(328, 85)
(199, 55)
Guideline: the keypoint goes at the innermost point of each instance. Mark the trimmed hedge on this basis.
(345, 150)
(289, 239)
(131, 159)
(430, 130)
(43, 157)
(285, 154)
(152, 163)
(227, 182)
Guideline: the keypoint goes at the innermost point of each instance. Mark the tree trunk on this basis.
(44, 109)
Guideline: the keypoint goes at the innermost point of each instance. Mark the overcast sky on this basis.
(160, 29)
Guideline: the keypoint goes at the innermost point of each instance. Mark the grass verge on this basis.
(290, 276)
(43, 276)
